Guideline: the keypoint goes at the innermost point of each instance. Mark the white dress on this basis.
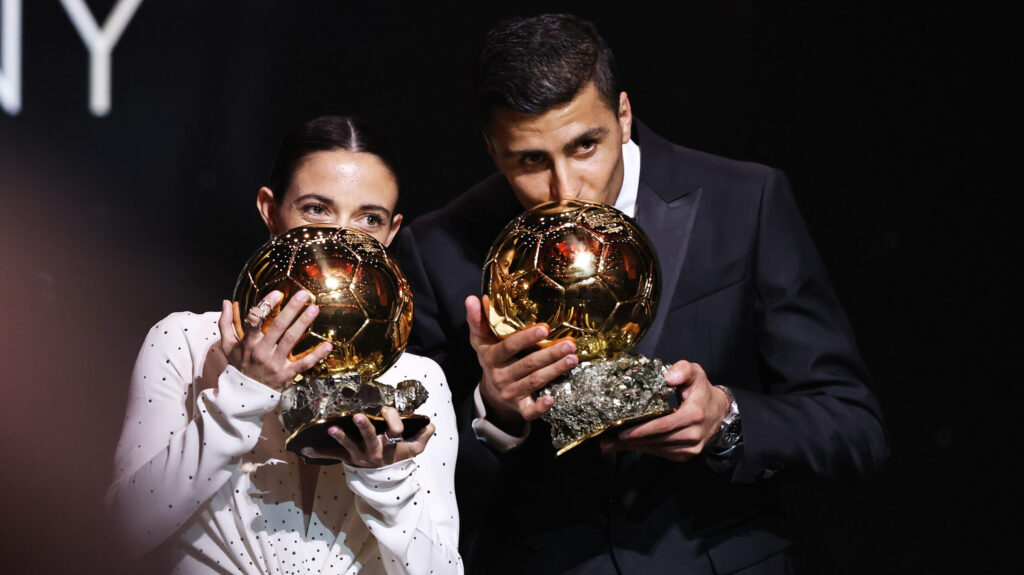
(204, 483)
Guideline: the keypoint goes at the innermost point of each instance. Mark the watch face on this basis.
(733, 432)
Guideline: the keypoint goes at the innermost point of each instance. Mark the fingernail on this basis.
(572, 360)
(274, 297)
(332, 431)
(302, 295)
(312, 310)
(541, 331)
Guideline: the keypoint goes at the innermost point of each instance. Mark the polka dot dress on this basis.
(203, 477)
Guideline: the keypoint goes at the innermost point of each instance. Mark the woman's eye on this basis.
(314, 209)
(372, 220)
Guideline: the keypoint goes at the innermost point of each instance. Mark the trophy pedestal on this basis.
(314, 434)
(312, 405)
(603, 394)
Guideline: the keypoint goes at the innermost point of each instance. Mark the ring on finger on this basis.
(393, 440)
(257, 314)
(264, 306)
(252, 320)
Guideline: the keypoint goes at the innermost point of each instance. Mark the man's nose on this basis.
(564, 183)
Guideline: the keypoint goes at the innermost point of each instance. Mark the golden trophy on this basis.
(365, 314)
(586, 271)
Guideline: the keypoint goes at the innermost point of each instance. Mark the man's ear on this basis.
(267, 208)
(625, 116)
(490, 148)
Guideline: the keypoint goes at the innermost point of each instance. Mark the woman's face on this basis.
(337, 188)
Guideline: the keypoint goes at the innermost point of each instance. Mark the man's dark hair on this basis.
(533, 64)
(326, 134)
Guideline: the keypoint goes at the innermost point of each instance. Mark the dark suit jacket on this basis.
(745, 295)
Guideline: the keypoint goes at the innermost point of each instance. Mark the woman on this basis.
(203, 481)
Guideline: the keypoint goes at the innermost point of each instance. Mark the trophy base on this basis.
(610, 428)
(314, 434)
(604, 394)
(313, 404)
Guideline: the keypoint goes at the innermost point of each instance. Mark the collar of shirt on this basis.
(626, 202)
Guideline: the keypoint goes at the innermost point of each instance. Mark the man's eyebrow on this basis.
(595, 133)
(523, 153)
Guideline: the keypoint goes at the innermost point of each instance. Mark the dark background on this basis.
(892, 119)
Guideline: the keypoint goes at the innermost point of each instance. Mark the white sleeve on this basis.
(491, 435)
(409, 506)
(167, 464)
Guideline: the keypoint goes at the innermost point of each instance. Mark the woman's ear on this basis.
(396, 222)
(267, 208)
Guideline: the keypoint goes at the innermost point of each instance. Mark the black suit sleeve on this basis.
(819, 414)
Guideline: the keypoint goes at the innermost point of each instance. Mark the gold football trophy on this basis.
(586, 271)
(365, 314)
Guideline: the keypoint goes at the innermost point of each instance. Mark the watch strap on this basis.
(730, 432)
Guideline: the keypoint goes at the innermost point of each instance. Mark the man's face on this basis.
(570, 151)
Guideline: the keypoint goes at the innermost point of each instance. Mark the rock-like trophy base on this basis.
(604, 393)
(313, 404)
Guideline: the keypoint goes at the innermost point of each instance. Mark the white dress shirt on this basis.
(203, 478)
(625, 202)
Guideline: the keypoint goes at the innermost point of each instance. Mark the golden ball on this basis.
(583, 268)
(364, 299)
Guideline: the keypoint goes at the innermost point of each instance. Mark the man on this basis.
(747, 319)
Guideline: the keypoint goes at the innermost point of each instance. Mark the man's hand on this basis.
(681, 435)
(508, 381)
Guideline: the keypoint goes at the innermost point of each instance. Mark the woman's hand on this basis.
(369, 449)
(265, 356)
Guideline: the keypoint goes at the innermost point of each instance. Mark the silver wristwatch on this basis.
(730, 433)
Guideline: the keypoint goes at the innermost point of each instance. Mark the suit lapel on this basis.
(668, 225)
(666, 206)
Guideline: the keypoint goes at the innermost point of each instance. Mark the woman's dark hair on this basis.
(326, 134)
(531, 65)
